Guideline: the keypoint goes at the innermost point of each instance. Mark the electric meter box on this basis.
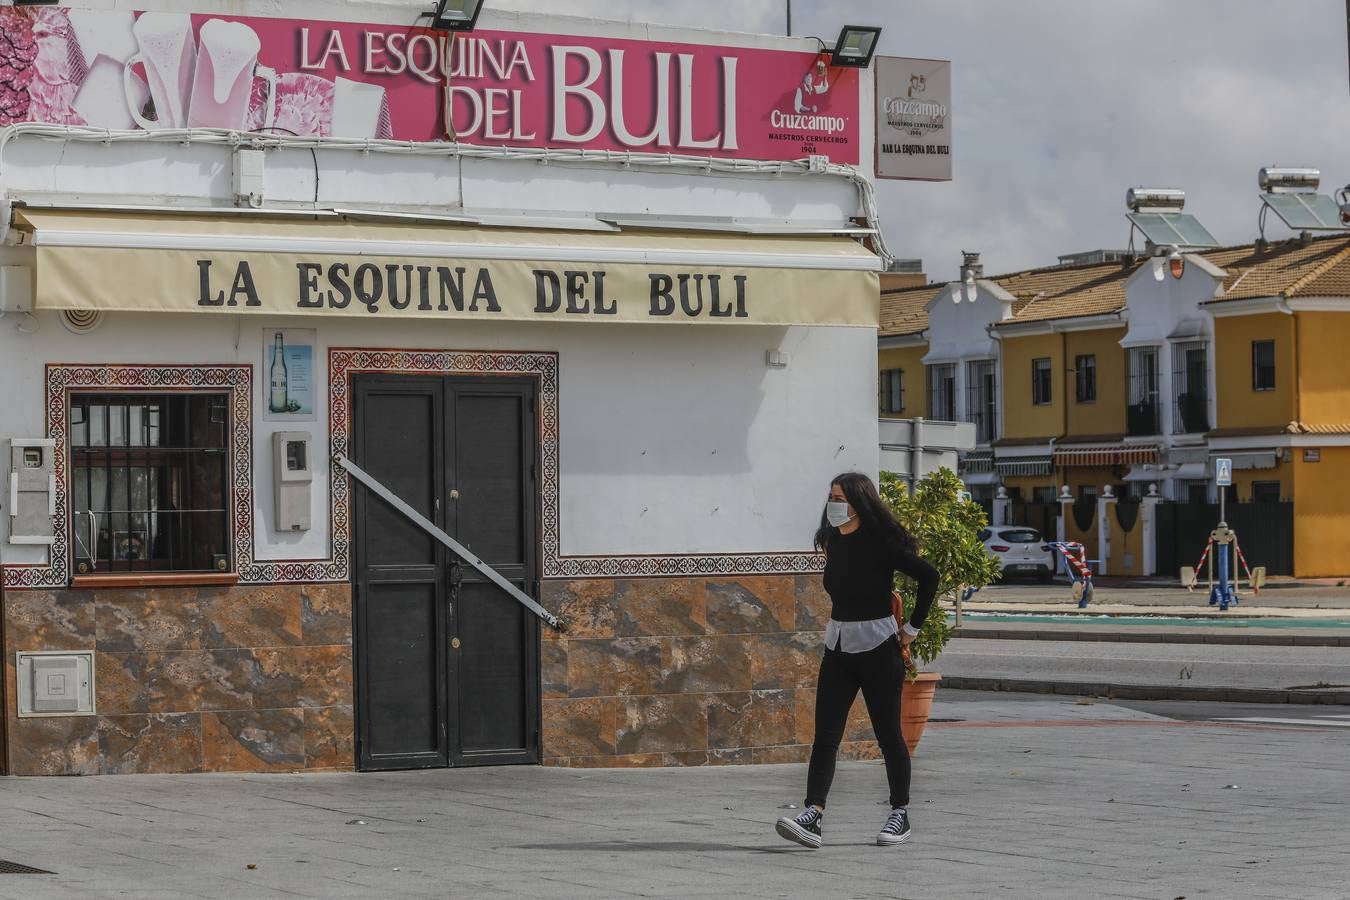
(32, 490)
(292, 477)
(55, 683)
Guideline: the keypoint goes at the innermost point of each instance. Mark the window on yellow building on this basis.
(1085, 378)
(1265, 492)
(1040, 381)
(892, 391)
(1263, 365)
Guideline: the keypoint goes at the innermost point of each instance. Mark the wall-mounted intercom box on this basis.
(32, 490)
(292, 477)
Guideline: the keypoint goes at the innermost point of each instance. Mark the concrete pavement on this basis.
(1014, 798)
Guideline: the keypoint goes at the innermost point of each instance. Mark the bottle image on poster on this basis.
(279, 399)
(290, 375)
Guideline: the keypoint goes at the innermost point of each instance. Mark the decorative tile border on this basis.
(62, 379)
(342, 364)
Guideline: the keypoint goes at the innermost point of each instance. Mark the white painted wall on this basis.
(1159, 307)
(673, 439)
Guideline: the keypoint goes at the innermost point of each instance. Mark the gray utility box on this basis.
(292, 475)
(55, 683)
(32, 490)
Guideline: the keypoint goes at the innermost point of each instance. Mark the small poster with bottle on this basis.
(288, 374)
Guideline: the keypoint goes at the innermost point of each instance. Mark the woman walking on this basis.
(865, 647)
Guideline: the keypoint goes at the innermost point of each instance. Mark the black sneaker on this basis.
(803, 828)
(896, 830)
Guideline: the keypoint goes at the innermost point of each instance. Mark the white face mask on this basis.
(836, 513)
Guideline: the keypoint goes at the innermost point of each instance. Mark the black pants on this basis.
(880, 673)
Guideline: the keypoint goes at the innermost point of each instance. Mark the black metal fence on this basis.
(1041, 516)
(1265, 532)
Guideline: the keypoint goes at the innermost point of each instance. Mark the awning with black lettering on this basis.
(170, 262)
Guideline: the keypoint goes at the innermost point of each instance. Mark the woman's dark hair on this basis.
(873, 514)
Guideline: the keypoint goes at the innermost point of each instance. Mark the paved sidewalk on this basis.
(1327, 600)
(1021, 798)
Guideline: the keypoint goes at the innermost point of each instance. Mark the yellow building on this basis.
(1282, 326)
(1125, 380)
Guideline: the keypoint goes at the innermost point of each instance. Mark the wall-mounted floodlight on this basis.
(855, 47)
(456, 15)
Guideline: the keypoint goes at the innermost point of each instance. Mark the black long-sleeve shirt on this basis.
(858, 576)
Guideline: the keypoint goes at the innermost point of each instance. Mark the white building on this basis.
(622, 370)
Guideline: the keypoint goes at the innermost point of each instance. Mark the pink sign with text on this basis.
(123, 70)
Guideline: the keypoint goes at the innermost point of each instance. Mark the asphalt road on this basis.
(1185, 665)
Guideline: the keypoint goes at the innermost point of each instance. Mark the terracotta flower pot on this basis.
(916, 702)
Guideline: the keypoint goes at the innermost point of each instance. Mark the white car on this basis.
(1021, 550)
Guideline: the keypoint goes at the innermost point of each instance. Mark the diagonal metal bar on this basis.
(455, 546)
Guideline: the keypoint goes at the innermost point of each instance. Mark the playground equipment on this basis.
(1080, 573)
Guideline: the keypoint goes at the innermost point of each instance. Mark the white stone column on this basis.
(1002, 512)
(1148, 515)
(1065, 510)
(1106, 502)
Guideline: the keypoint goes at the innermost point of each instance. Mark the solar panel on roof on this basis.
(1306, 212)
(1171, 228)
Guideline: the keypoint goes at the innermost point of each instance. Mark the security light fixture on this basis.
(855, 47)
(456, 15)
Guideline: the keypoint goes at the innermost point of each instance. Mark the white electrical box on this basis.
(55, 683)
(32, 490)
(16, 289)
(292, 477)
(249, 176)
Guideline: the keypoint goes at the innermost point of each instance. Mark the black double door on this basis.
(447, 663)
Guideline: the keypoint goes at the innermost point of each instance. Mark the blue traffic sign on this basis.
(1223, 472)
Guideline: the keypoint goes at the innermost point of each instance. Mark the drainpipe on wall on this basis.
(1283, 306)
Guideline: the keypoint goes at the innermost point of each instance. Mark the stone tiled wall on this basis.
(254, 679)
(687, 671)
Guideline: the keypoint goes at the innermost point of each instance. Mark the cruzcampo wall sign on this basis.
(125, 70)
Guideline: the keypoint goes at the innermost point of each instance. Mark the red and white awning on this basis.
(1107, 455)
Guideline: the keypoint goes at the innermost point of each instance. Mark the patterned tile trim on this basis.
(62, 379)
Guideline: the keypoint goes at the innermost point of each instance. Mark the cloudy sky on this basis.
(1060, 105)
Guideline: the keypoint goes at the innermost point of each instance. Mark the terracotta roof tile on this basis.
(1316, 268)
(1320, 267)
(904, 311)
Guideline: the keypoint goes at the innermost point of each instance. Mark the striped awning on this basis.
(977, 461)
(1032, 465)
(1107, 455)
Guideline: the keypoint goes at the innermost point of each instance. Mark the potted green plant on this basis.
(946, 525)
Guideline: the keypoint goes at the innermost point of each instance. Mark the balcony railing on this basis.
(1192, 413)
(1142, 419)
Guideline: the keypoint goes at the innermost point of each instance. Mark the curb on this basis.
(1111, 691)
(1160, 637)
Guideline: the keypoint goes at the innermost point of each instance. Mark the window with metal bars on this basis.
(892, 388)
(942, 392)
(1142, 413)
(982, 399)
(1263, 365)
(1085, 378)
(1190, 387)
(149, 489)
(1041, 379)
